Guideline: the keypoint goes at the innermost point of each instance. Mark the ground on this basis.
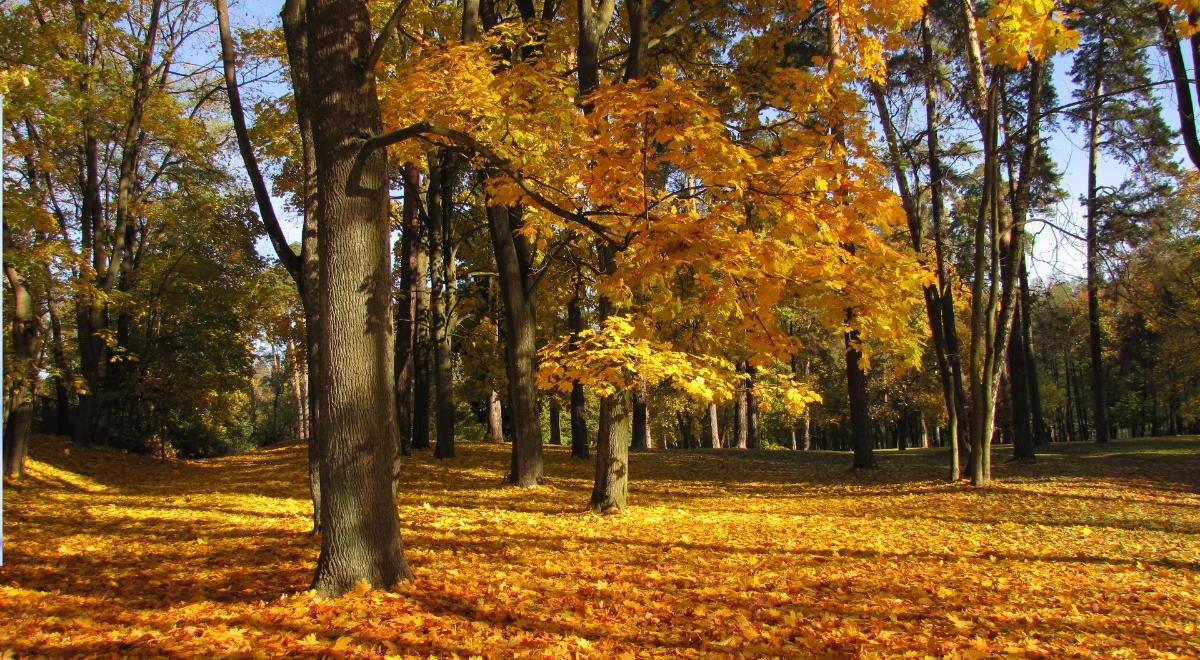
(1089, 551)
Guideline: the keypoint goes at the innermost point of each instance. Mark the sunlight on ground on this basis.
(1088, 551)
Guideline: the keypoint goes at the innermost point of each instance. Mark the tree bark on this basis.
(579, 430)
(555, 422)
(520, 351)
(860, 414)
(23, 368)
(753, 439)
(441, 259)
(610, 488)
(641, 418)
(741, 412)
(360, 528)
(406, 312)
(714, 427)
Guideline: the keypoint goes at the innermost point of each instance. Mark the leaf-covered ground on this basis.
(1090, 551)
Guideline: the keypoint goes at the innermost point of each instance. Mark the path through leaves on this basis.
(1090, 551)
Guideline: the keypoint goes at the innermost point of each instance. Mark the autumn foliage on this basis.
(1091, 551)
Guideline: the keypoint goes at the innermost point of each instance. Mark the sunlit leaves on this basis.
(771, 554)
(1014, 30)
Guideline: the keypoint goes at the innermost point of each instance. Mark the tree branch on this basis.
(385, 34)
(473, 147)
(287, 257)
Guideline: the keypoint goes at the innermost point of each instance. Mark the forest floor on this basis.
(1089, 551)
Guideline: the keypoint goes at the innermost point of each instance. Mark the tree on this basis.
(1112, 56)
(360, 528)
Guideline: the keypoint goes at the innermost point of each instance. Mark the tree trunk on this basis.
(360, 529)
(23, 369)
(714, 427)
(297, 389)
(610, 488)
(520, 353)
(1099, 398)
(741, 412)
(555, 422)
(406, 313)
(441, 311)
(579, 430)
(495, 429)
(641, 418)
(953, 392)
(753, 439)
(422, 347)
(860, 413)
(1040, 431)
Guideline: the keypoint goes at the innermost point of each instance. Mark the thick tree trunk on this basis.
(360, 529)
(520, 353)
(611, 486)
(22, 367)
(860, 413)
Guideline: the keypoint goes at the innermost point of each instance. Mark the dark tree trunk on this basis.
(495, 411)
(109, 259)
(520, 353)
(441, 312)
(360, 529)
(579, 430)
(406, 311)
(753, 441)
(641, 418)
(1020, 407)
(1095, 337)
(62, 399)
(555, 422)
(741, 413)
(860, 414)
(1040, 432)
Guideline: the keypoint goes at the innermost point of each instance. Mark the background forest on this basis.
(653, 224)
